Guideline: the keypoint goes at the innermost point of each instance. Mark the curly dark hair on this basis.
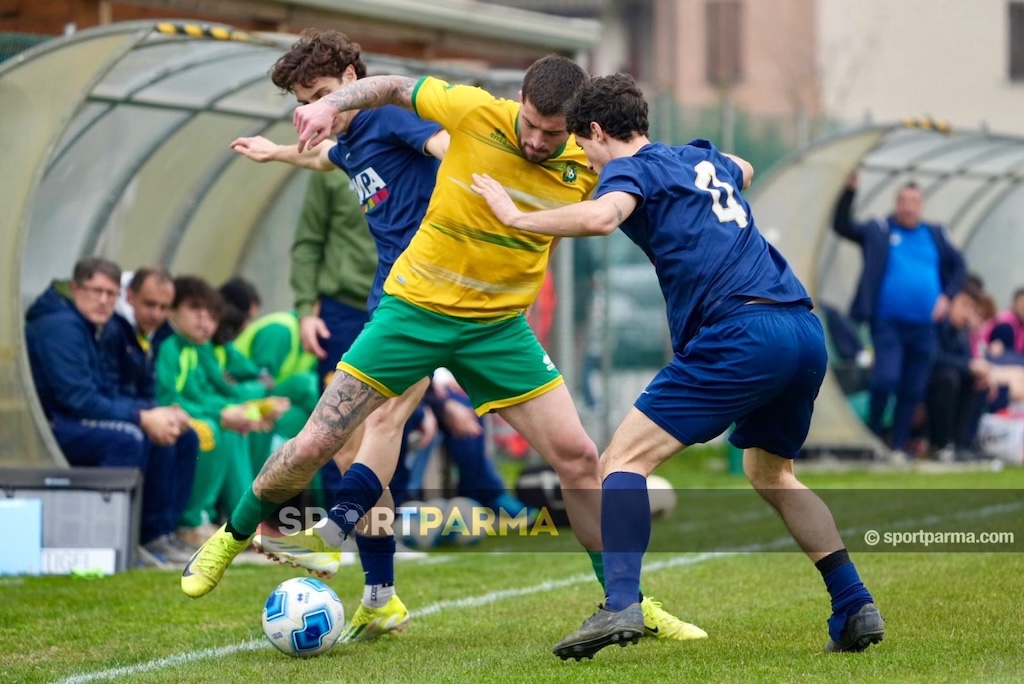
(316, 53)
(550, 82)
(615, 102)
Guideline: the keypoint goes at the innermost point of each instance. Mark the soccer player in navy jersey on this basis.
(747, 350)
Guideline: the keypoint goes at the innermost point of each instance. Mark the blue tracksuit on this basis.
(896, 295)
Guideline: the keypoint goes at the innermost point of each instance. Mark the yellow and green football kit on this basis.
(457, 295)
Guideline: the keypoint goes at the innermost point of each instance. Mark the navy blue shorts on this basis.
(760, 368)
(344, 322)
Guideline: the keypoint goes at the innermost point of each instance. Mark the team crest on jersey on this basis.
(569, 173)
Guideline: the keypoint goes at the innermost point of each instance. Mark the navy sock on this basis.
(845, 587)
(357, 492)
(625, 533)
(377, 554)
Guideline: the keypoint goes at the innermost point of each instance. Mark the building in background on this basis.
(742, 73)
(430, 30)
(961, 62)
(799, 69)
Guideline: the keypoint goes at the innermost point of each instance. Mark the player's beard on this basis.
(535, 157)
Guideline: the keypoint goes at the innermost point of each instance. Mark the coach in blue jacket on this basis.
(95, 422)
(911, 272)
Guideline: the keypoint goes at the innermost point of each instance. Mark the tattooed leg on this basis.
(345, 404)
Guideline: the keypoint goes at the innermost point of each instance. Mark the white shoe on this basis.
(150, 560)
(898, 457)
(165, 549)
(304, 549)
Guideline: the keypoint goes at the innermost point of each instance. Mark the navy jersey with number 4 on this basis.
(382, 153)
(699, 233)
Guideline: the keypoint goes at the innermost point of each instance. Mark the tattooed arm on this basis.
(373, 91)
(589, 217)
(314, 121)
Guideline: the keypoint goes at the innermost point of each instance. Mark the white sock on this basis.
(331, 533)
(376, 595)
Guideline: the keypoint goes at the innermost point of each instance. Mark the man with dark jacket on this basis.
(129, 351)
(94, 424)
(911, 273)
(140, 313)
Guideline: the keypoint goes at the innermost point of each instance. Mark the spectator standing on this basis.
(910, 274)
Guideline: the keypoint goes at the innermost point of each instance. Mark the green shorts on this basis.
(498, 364)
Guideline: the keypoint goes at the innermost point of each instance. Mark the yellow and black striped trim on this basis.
(928, 124)
(203, 31)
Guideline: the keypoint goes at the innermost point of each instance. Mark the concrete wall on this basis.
(890, 59)
(777, 44)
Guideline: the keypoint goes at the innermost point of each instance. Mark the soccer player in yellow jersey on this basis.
(455, 298)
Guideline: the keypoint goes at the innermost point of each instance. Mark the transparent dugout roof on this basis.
(130, 160)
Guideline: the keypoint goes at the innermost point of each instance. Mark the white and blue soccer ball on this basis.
(662, 496)
(459, 530)
(303, 617)
(419, 523)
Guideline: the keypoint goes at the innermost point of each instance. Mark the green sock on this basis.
(597, 560)
(248, 515)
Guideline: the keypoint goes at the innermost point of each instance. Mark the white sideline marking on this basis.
(550, 585)
(495, 596)
(169, 661)
(430, 609)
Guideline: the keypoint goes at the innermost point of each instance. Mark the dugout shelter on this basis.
(115, 142)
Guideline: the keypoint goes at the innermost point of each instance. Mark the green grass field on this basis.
(493, 617)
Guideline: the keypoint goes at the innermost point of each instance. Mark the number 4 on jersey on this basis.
(707, 180)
